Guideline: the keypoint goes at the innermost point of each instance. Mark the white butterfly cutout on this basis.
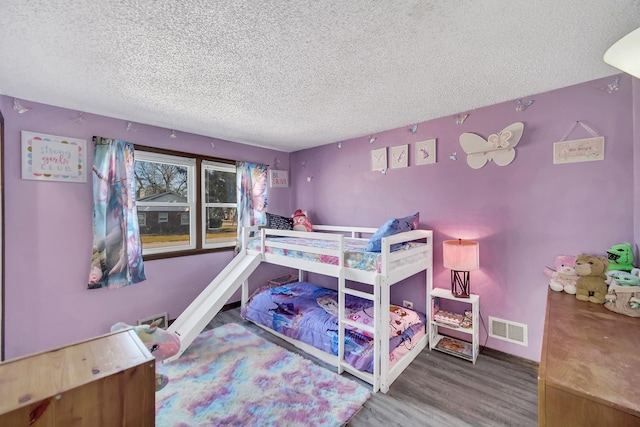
(498, 147)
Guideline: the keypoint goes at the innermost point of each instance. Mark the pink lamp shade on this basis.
(461, 255)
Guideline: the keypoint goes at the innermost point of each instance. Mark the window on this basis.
(219, 206)
(183, 214)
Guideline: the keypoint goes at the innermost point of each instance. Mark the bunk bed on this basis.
(338, 252)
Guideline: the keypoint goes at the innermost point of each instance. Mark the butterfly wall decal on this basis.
(611, 86)
(521, 106)
(17, 106)
(497, 147)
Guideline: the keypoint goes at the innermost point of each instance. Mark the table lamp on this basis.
(461, 256)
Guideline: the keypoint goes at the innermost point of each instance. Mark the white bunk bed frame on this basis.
(392, 272)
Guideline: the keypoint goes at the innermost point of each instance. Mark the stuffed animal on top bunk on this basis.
(301, 221)
(592, 284)
(620, 257)
(563, 277)
(160, 343)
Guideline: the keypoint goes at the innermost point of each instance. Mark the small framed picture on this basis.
(379, 159)
(425, 152)
(278, 178)
(400, 156)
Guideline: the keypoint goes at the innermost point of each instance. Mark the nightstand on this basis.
(439, 340)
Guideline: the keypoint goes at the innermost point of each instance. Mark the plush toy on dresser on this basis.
(592, 282)
(624, 292)
(620, 257)
(564, 277)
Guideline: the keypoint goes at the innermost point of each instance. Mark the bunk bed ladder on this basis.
(344, 322)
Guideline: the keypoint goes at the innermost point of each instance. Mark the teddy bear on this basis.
(620, 257)
(563, 277)
(592, 281)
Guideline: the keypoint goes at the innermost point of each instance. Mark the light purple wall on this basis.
(48, 237)
(636, 164)
(522, 214)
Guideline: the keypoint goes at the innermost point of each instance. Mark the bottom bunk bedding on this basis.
(309, 313)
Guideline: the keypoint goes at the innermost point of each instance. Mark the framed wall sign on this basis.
(278, 178)
(379, 159)
(53, 158)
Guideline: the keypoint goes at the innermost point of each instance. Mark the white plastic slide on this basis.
(211, 300)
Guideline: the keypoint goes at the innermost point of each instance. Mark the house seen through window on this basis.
(186, 203)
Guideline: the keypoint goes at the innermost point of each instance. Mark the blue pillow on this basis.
(389, 228)
(413, 220)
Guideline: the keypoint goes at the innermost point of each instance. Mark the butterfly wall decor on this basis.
(17, 106)
(497, 147)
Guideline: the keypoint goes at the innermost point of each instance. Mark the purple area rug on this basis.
(231, 377)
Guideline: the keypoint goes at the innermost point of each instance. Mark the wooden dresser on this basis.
(590, 366)
(105, 381)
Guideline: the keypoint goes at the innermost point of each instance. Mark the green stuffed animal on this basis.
(592, 283)
(620, 257)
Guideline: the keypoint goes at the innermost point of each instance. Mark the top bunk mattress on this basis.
(355, 255)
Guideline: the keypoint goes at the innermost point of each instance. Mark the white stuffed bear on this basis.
(564, 277)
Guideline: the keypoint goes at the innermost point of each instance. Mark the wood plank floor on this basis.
(441, 390)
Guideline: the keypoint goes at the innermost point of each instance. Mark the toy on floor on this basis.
(563, 277)
(620, 257)
(160, 343)
(592, 284)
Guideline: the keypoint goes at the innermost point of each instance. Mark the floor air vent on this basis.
(508, 331)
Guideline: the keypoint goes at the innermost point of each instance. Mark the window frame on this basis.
(223, 167)
(197, 228)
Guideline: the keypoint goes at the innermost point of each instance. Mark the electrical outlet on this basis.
(407, 304)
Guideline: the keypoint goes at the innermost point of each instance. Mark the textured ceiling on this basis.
(295, 74)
